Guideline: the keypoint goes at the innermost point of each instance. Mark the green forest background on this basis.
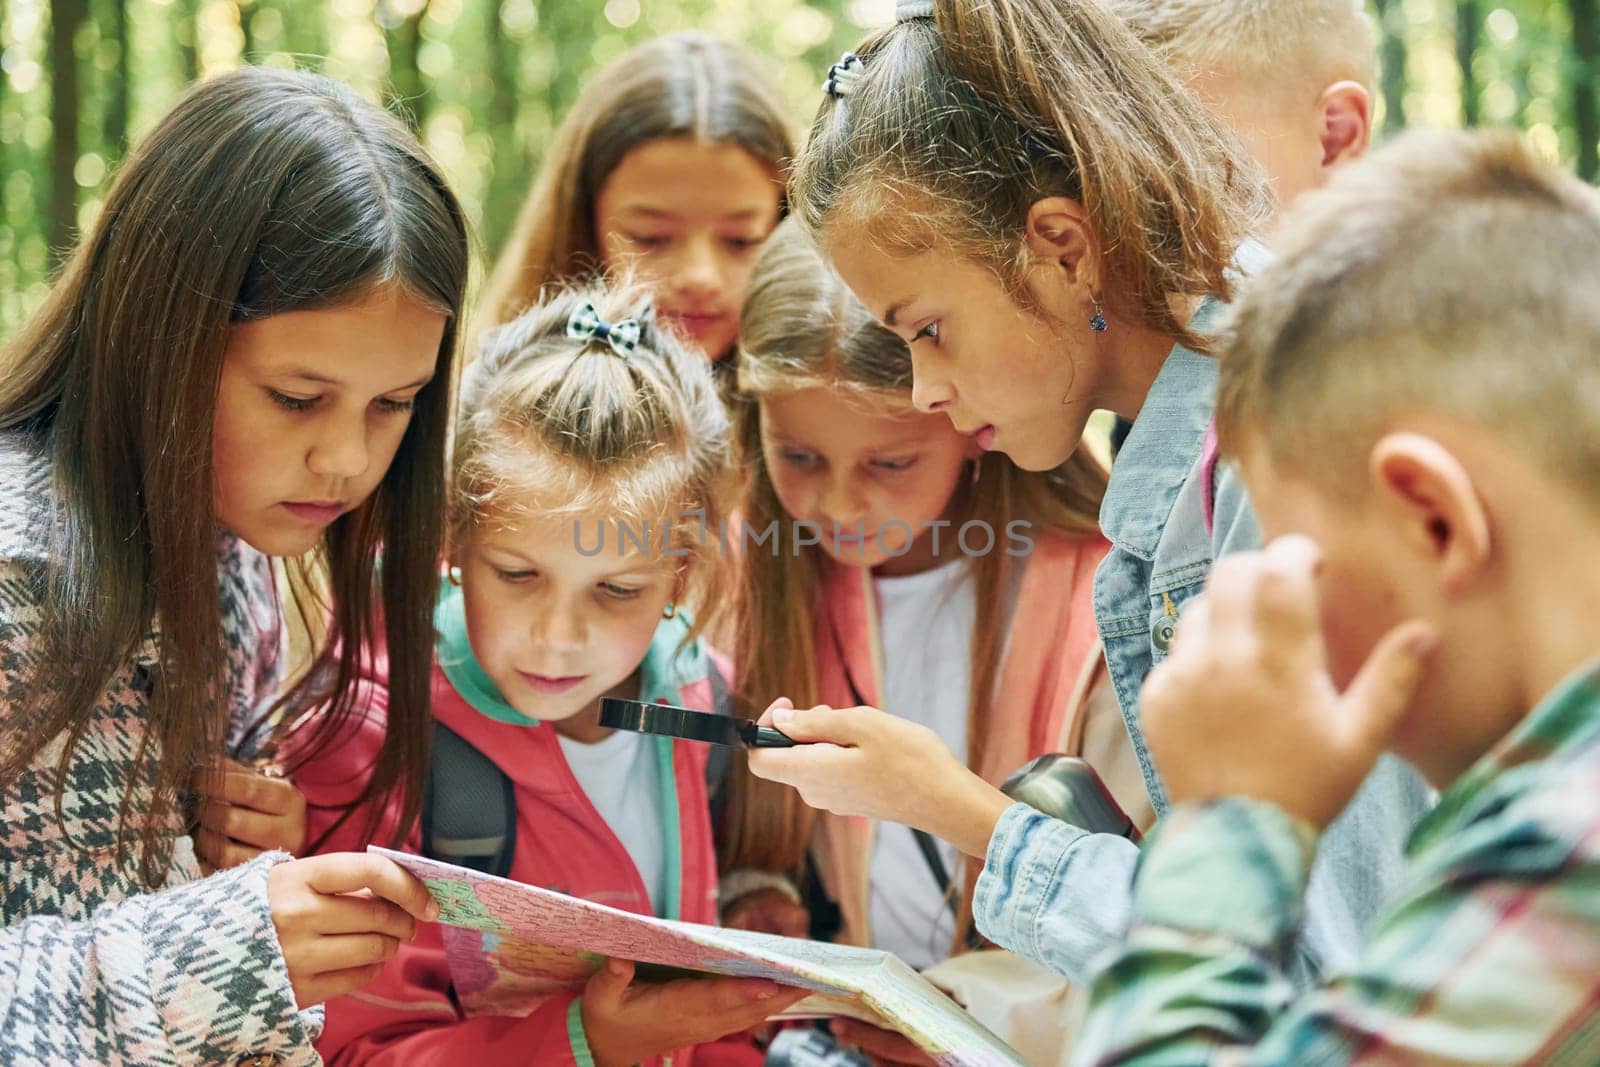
(487, 80)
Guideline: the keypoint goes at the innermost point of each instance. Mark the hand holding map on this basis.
(629, 1021)
(508, 941)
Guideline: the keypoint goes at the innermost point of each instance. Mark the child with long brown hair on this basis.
(590, 446)
(899, 566)
(1024, 194)
(670, 166)
(250, 356)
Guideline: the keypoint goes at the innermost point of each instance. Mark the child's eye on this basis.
(391, 406)
(795, 457)
(895, 465)
(293, 403)
(743, 244)
(514, 577)
(619, 592)
(647, 240)
(929, 332)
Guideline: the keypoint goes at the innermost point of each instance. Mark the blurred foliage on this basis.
(486, 81)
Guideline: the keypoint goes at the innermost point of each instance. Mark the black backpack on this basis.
(469, 809)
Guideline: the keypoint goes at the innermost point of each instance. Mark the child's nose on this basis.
(340, 450)
(700, 273)
(560, 630)
(929, 393)
(840, 503)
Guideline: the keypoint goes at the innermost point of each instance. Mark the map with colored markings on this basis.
(510, 944)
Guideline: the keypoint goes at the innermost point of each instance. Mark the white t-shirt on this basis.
(622, 780)
(926, 624)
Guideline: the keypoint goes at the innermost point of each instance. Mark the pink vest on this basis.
(1052, 658)
(410, 1014)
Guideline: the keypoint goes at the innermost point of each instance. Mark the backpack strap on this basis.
(469, 812)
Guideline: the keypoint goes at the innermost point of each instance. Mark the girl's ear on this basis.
(1059, 234)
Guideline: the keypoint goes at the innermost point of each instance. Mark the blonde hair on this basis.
(679, 85)
(801, 329)
(1452, 272)
(558, 426)
(960, 123)
(1269, 45)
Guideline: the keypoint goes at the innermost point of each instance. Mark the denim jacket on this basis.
(1059, 895)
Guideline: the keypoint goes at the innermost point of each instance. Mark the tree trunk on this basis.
(1469, 21)
(571, 27)
(119, 78)
(1585, 73)
(8, 164)
(186, 15)
(406, 89)
(66, 16)
(247, 18)
(1393, 54)
(507, 173)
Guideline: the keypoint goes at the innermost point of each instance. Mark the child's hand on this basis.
(767, 911)
(626, 1023)
(244, 813)
(884, 1047)
(334, 940)
(1244, 705)
(861, 761)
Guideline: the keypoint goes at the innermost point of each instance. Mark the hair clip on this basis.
(907, 10)
(844, 76)
(585, 324)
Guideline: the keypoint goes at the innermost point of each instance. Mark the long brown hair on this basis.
(680, 85)
(802, 328)
(260, 192)
(961, 122)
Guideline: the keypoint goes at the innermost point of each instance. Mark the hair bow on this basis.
(844, 76)
(906, 10)
(586, 324)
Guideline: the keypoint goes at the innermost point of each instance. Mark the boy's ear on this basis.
(1441, 515)
(1345, 120)
(1059, 233)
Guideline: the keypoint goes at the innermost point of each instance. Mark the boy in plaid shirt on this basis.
(1413, 395)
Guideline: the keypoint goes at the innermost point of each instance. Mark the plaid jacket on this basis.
(1489, 954)
(91, 970)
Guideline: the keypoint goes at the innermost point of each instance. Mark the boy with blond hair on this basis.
(1413, 393)
(1291, 78)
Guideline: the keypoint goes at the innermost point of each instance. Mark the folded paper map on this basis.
(510, 944)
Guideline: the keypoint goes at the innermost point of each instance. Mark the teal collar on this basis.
(466, 674)
(668, 665)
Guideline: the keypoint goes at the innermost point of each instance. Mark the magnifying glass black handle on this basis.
(666, 719)
(764, 736)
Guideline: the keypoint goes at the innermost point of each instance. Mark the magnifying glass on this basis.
(643, 717)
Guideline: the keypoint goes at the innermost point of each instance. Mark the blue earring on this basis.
(1098, 323)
